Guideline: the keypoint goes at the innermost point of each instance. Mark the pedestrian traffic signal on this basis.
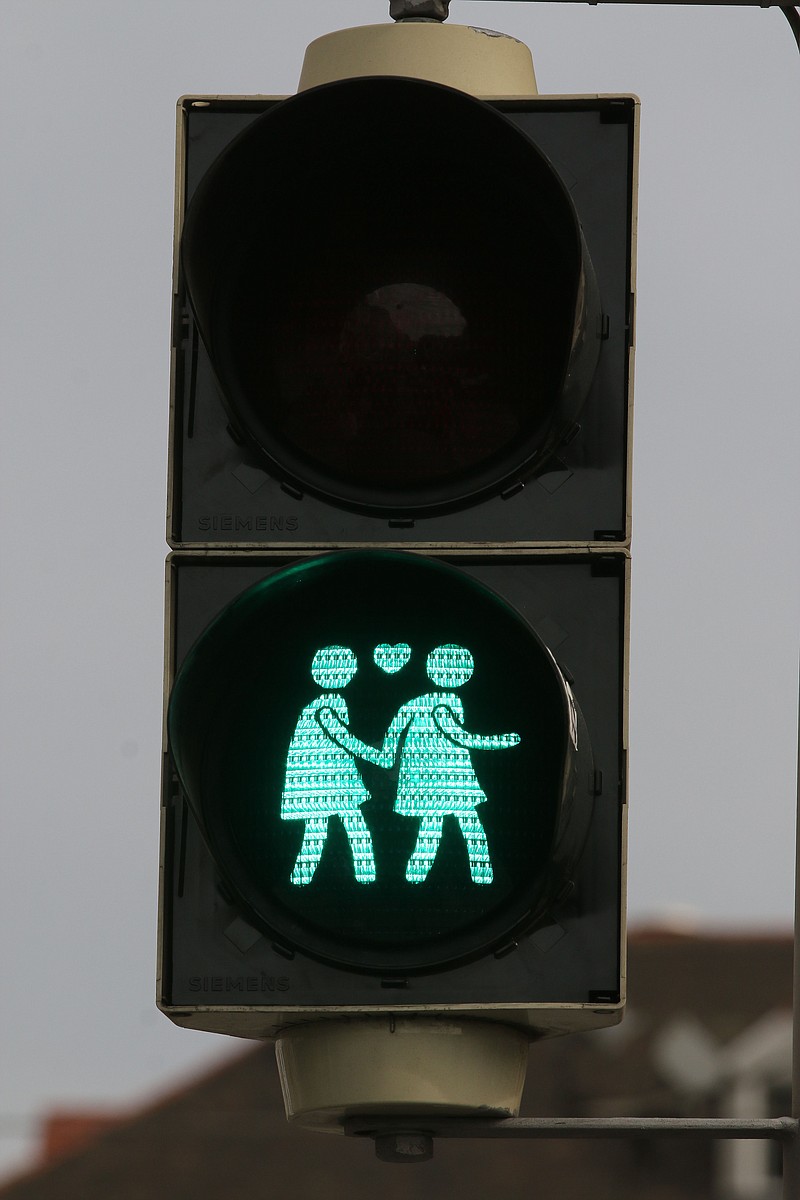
(397, 604)
(288, 788)
(389, 767)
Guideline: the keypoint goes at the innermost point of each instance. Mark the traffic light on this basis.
(397, 606)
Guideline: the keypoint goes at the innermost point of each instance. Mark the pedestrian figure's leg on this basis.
(428, 838)
(361, 845)
(310, 852)
(480, 864)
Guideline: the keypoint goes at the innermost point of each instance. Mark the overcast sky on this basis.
(87, 92)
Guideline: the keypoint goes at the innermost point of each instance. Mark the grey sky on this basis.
(87, 92)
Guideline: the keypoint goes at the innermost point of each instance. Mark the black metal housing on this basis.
(213, 955)
(568, 483)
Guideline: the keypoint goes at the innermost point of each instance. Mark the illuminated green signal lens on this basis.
(378, 750)
(436, 775)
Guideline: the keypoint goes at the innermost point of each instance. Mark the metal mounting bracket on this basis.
(419, 10)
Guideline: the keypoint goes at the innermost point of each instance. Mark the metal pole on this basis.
(526, 1128)
(791, 1147)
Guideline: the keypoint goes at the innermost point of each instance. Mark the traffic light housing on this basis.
(403, 323)
(359, 287)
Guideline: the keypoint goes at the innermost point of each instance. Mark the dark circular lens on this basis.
(390, 330)
(408, 386)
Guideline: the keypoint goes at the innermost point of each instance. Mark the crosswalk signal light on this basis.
(395, 776)
(388, 765)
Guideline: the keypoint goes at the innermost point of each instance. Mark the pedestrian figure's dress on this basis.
(437, 778)
(323, 781)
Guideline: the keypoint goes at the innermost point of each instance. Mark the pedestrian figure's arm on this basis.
(338, 732)
(455, 732)
(388, 751)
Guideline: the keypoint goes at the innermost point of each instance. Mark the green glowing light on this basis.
(436, 776)
(322, 779)
(392, 659)
(430, 833)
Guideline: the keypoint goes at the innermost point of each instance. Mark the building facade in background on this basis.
(707, 1033)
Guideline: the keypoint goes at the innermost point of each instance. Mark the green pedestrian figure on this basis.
(322, 780)
(437, 778)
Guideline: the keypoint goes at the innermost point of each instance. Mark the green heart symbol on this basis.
(392, 658)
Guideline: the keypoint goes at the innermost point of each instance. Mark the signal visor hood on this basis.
(478, 61)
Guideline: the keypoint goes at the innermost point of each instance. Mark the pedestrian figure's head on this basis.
(333, 667)
(450, 666)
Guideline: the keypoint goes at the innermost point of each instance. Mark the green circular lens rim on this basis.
(208, 685)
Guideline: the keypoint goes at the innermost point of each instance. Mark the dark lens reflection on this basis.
(395, 389)
(403, 385)
(391, 326)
